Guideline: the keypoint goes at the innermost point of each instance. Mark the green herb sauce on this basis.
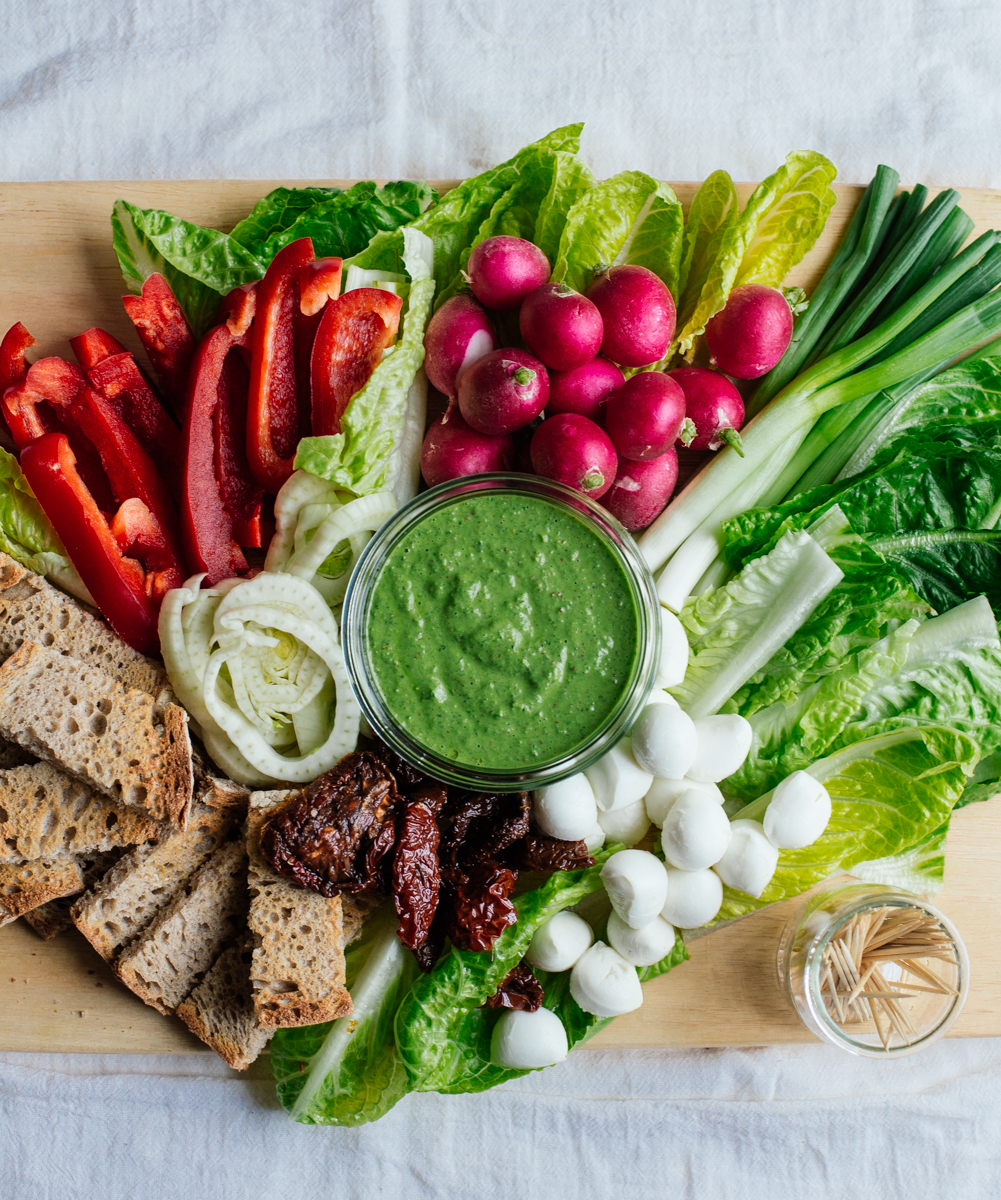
(502, 631)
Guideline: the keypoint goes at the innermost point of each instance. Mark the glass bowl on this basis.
(357, 606)
(817, 936)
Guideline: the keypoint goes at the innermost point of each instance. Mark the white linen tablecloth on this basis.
(127, 89)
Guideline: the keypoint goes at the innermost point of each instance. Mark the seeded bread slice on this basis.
(165, 963)
(68, 712)
(44, 812)
(147, 879)
(220, 1011)
(297, 972)
(24, 886)
(52, 918)
(31, 609)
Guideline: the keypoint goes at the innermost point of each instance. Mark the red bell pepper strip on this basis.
(319, 283)
(218, 374)
(94, 346)
(272, 415)
(116, 582)
(164, 332)
(354, 331)
(238, 308)
(13, 366)
(140, 535)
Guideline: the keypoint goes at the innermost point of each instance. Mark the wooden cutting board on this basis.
(59, 276)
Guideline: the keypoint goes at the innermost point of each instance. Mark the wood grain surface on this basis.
(59, 276)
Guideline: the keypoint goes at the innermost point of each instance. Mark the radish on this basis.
(583, 389)
(503, 270)
(644, 416)
(451, 449)
(638, 314)
(714, 409)
(561, 326)
(458, 334)
(503, 390)
(573, 450)
(749, 336)
(641, 490)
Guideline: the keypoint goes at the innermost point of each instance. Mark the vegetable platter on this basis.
(58, 278)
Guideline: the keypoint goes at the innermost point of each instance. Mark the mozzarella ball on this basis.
(636, 883)
(696, 832)
(664, 741)
(798, 813)
(617, 779)
(558, 944)
(626, 825)
(641, 947)
(525, 1040)
(673, 649)
(750, 860)
(660, 799)
(596, 838)
(605, 984)
(659, 696)
(723, 742)
(566, 809)
(693, 898)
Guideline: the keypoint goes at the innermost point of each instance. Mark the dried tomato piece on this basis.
(416, 878)
(477, 827)
(482, 909)
(540, 853)
(520, 990)
(408, 778)
(332, 837)
(429, 951)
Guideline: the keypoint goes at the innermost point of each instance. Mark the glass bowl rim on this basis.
(639, 580)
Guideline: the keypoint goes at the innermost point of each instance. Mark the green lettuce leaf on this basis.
(276, 212)
(347, 1072)
(443, 1046)
(26, 533)
(889, 795)
(783, 218)
(374, 448)
(572, 178)
(630, 218)
(713, 213)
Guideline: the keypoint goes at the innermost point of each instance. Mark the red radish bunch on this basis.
(751, 333)
(713, 407)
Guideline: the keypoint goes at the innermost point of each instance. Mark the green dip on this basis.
(502, 631)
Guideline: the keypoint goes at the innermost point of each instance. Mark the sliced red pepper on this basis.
(218, 379)
(164, 332)
(319, 283)
(354, 331)
(238, 308)
(116, 582)
(13, 366)
(94, 346)
(140, 535)
(272, 417)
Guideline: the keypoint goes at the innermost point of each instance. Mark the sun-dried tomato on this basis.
(416, 878)
(477, 827)
(520, 990)
(429, 951)
(333, 837)
(540, 853)
(408, 778)
(482, 909)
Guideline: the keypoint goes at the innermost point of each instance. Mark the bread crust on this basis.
(24, 886)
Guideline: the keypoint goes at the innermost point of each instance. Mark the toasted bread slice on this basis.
(45, 812)
(32, 610)
(52, 918)
(220, 1011)
(165, 963)
(120, 907)
(110, 737)
(297, 972)
(24, 886)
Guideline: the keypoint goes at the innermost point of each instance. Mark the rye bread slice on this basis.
(45, 812)
(31, 609)
(108, 736)
(297, 972)
(220, 1011)
(146, 880)
(165, 963)
(24, 886)
(52, 918)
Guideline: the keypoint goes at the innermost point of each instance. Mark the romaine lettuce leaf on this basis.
(375, 448)
(713, 213)
(26, 533)
(347, 1072)
(276, 211)
(630, 218)
(572, 177)
(890, 794)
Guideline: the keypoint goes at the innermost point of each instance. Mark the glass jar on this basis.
(921, 1014)
(357, 606)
